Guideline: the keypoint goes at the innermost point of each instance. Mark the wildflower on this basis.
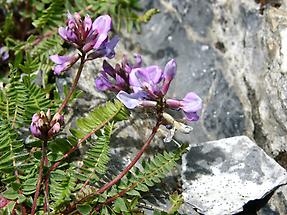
(190, 105)
(43, 127)
(63, 62)
(4, 54)
(88, 36)
(116, 79)
(149, 86)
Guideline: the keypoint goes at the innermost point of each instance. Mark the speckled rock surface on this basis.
(221, 176)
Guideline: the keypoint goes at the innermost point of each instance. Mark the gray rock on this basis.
(220, 177)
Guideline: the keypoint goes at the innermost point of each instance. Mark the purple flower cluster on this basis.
(43, 127)
(117, 79)
(146, 87)
(88, 37)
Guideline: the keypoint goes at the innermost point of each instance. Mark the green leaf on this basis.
(10, 194)
(120, 206)
(101, 116)
(84, 209)
(21, 199)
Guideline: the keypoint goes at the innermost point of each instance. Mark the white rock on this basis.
(220, 177)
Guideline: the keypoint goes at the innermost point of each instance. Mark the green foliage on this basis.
(97, 156)
(151, 172)
(20, 99)
(51, 16)
(127, 13)
(99, 117)
(62, 185)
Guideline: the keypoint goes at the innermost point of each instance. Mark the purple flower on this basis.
(90, 36)
(152, 79)
(4, 54)
(150, 85)
(63, 62)
(43, 127)
(135, 100)
(116, 79)
(190, 105)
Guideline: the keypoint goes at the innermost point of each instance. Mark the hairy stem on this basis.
(75, 83)
(123, 173)
(38, 186)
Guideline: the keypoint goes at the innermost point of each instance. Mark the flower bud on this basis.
(43, 127)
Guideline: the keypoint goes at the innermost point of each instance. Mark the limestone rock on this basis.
(220, 177)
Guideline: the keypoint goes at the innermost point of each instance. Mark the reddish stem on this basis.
(75, 83)
(46, 199)
(38, 186)
(122, 174)
(113, 198)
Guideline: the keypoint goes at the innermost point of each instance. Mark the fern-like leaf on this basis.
(99, 117)
(151, 173)
(96, 158)
(51, 15)
(62, 185)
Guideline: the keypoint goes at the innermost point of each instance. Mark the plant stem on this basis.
(75, 83)
(46, 200)
(113, 198)
(38, 186)
(122, 174)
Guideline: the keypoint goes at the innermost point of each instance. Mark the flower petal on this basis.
(102, 24)
(191, 116)
(170, 70)
(191, 103)
(67, 34)
(129, 100)
(58, 69)
(35, 131)
(150, 74)
(100, 40)
(60, 59)
(103, 83)
(109, 69)
(87, 23)
(110, 53)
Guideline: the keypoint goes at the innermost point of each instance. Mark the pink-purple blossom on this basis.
(43, 127)
(4, 202)
(149, 86)
(117, 78)
(63, 62)
(190, 105)
(89, 37)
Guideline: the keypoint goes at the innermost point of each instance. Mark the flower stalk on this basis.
(74, 85)
(40, 177)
